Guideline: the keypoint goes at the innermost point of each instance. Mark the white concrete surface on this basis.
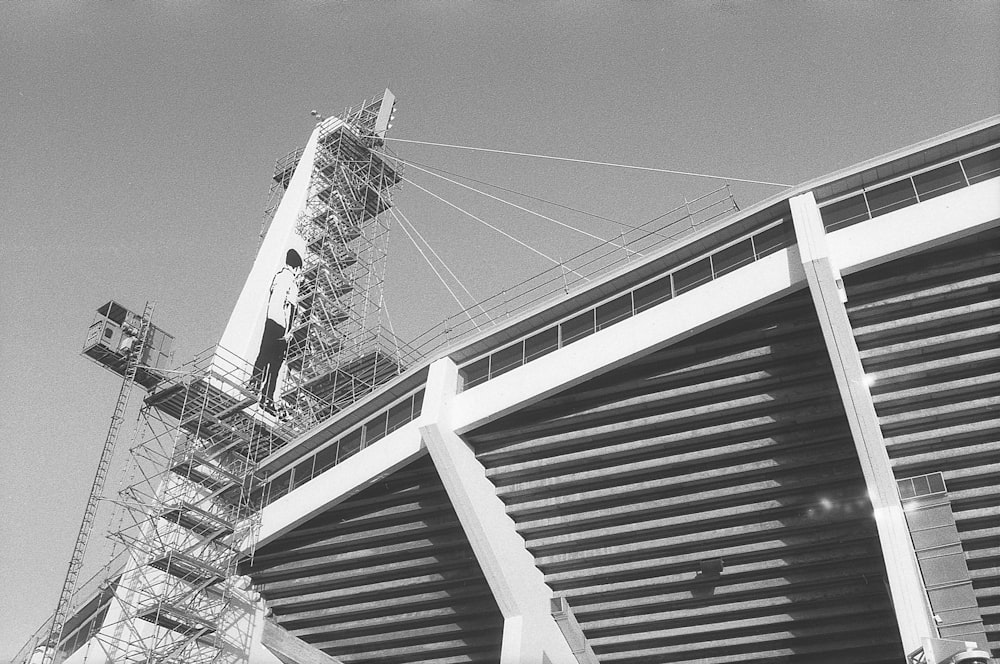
(668, 322)
(530, 631)
(339, 483)
(905, 581)
(916, 228)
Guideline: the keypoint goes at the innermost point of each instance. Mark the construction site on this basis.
(731, 434)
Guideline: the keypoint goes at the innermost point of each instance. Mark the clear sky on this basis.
(139, 137)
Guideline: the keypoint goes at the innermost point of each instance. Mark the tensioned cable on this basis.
(438, 274)
(641, 227)
(514, 205)
(588, 161)
(521, 193)
(498, 230)
(395, 216)
(441, 260)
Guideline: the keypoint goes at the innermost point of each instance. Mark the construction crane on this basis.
(133, 350)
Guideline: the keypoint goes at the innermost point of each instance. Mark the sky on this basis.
(139, 139)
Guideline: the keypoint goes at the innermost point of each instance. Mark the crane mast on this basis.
(97, 488)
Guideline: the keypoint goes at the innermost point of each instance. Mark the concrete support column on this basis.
(909, 597)
(531, 635)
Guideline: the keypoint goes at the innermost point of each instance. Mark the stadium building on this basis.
(772, 438)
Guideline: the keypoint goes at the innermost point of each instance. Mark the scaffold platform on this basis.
(213, 408)
(200, 469)
(178, 619)
(198, 521)
(189, 569)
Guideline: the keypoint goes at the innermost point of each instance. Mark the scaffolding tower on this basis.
(191, 510)
(338, 350)
(190, 515)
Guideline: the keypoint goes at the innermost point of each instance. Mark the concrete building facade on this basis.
(774, 440)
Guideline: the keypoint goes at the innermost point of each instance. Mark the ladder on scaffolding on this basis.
(97, 489)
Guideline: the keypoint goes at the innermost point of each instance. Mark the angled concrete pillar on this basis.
(531, 635)
(909, 597)
(289, 649)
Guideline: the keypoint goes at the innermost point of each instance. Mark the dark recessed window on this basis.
(326, 458)
(540, 344)
(891, 197)
(349, 445)
(375, 429)
(845, 213)
(771, 240)
(939, 181)
(399, 415)
(418, 403)
(303, 472)
(652, 294)
(279, 485)
(906, 489)
(692, 276)
(982, 166)
(476, 373)
(731, 258)
(577, 328)
(616, 310)
(506, 359)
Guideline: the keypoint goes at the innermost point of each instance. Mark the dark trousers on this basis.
(269, 359)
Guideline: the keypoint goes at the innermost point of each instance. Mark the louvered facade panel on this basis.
(705, 502)
(385, 577)
(929, 332)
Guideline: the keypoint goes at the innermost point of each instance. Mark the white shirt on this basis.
(284, 295)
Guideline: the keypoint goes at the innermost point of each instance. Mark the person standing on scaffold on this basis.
(277, 330)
